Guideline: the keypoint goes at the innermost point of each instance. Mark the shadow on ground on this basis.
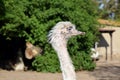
(108, 72)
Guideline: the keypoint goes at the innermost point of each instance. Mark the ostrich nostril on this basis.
(83, 33)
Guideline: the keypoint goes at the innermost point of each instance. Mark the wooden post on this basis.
(111, 48)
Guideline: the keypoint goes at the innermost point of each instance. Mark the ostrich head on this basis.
(63, 30)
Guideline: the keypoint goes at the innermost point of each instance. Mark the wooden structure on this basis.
(110, 31)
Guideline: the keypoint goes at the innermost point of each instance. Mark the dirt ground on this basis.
(107, 70)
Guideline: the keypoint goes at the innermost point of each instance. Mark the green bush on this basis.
(32, 19)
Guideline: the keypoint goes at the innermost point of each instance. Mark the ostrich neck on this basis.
(60, 46)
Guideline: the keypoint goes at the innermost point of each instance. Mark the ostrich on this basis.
(58, 38)
(30, 52)
(19, 63)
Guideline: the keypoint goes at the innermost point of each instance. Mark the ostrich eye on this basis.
(69, 28)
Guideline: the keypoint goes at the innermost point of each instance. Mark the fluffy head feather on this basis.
(63, 31)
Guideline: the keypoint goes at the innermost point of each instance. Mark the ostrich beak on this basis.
(81, 33)
(76, 32)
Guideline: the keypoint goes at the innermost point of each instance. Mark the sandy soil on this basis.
(15, 75)
(104, 71)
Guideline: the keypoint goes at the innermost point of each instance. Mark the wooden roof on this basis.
(109, 22)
